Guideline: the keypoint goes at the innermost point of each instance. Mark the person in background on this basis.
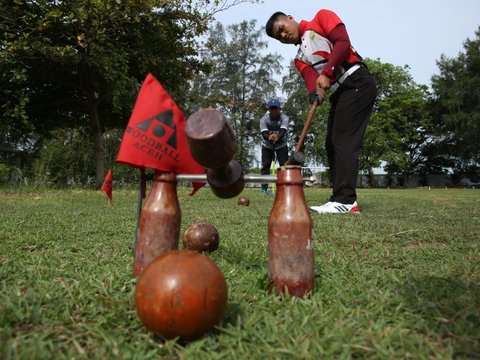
(328, 63)
(273, 127)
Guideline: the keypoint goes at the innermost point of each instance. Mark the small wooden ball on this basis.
(244, 201)
(201, 237)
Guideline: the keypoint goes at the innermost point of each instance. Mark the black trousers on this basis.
(267, 158)
(351, 106)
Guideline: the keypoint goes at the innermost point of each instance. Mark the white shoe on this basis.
(333, 207)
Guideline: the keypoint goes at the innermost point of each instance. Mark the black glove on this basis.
(312, 97)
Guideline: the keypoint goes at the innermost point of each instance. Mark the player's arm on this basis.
(341, 48)
(283, 126)
(309, 75)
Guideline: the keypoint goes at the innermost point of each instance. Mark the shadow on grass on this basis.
(234, 311)
(450, 308)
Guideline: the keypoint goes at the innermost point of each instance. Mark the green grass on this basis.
(400, 280)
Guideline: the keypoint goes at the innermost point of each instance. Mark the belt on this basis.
(345, 75)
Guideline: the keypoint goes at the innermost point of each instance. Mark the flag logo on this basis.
(150, 137)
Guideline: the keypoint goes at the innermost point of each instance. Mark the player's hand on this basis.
(321, 94)
(318, 95)
(272, 137)
(322, 85)
(312, 97)
(323, 82)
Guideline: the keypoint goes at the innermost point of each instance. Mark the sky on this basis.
(409, 32)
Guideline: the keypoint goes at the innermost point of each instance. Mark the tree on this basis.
(238, 82)
(400, 126)
(80, 63)
(456, 109)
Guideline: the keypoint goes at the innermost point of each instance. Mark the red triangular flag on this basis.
(155, 135)
(107, 185)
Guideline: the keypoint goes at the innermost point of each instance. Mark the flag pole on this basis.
(141, 191)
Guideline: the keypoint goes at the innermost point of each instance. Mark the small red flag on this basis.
(107, 185)
(155, 135)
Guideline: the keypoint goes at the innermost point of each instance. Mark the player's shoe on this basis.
(333, 207)
(267, 192)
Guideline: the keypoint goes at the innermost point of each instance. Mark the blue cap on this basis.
(274, 103)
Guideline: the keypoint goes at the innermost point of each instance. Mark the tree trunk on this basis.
(371, 177)
(97, 141)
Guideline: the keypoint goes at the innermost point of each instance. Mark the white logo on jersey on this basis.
(311, 49)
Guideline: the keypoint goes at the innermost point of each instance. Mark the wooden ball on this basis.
(243, 200)
(201, 237)
(182, 294)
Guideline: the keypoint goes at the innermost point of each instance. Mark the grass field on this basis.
(400, 280)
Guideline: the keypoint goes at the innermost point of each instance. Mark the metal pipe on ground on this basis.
(248, 178)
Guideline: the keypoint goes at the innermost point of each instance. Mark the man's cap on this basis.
(274, 103)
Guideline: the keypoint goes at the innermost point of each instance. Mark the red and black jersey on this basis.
(315, 55)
